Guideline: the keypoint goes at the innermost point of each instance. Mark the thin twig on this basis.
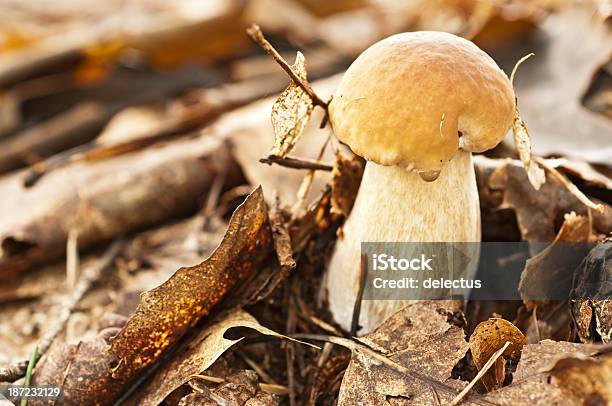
(517, 64)
(290, 346)
(307, 184)
(212, 200)
(296, 163)
(72, 259)
(483, 371)
(573, 189)
(363, 272)
(535, 321)
(90, 276)
(257, 35)
(324, 325)
(266, 387)
(259, 370)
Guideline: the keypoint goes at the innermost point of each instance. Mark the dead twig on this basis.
(259, 370)
(296, 163)
(307, 184)
(290, 346)
(363, 272)
(257, 35)
(90, 276)
(483, 371)
(72, 259)
(266, 387)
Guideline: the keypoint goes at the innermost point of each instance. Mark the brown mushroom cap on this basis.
(405, 99)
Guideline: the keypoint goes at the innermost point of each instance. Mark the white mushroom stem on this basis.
(396, 205)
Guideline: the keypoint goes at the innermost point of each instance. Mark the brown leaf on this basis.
(532, 383)
(488, 337)
(522, 142)
(346, 178)
(584, 171)
(418, 337)
(248, 130)
(592, 309)
(81, 370)
(238, 389)
(585, 380)
(195, 356)
(168, 311)
(291, 112)
(549, 274)
(503, 184)
(574, 45)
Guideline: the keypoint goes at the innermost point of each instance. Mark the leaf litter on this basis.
(425, 334)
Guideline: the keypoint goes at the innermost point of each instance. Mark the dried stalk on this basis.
(255, 32)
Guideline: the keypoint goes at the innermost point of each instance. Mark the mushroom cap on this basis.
(413, 99)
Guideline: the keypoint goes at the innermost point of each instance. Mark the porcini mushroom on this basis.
(415, 106)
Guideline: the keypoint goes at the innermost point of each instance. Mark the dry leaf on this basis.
(488, 337)
(532, 383)
(592, 309)
(522, 142)
(503, 184)
(238, 389)
(548, 275)
(248, 130)
(291, 112)
(585, 380)
(551, 85)
(346, 178)
(582, 170)
(418, 337)
(168, 311)
(81, 370)
(195, 357)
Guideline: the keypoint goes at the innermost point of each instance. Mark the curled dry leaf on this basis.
(195, 356)
(585, 380)
(548, 275)
(168, 311)
(81, 370)
(488, 337)
(290, 113)
(417, 337)
(503, 184)
(534, 384)
(522, 142)
(592, 310)
(582, 170)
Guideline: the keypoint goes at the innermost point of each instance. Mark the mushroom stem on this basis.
(396, 205)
